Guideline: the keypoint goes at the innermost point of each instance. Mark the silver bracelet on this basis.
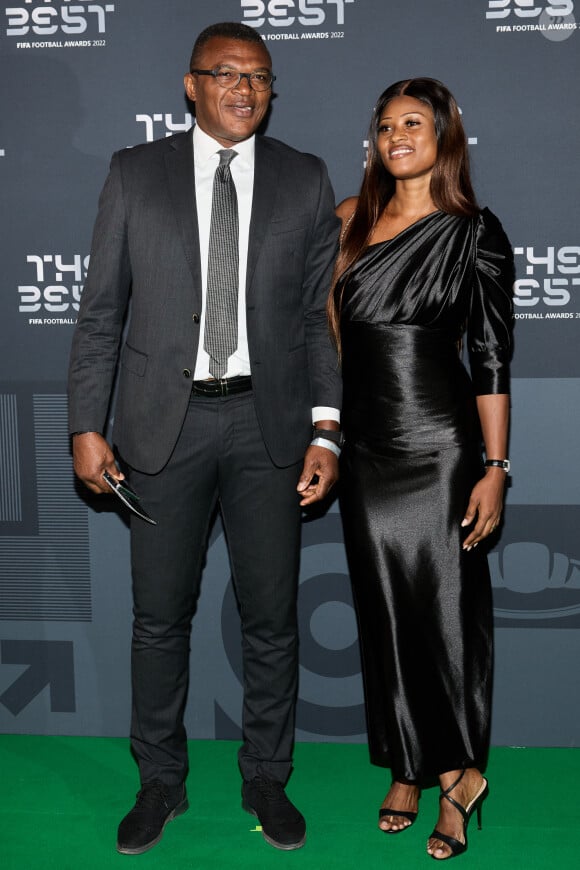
(324, 442)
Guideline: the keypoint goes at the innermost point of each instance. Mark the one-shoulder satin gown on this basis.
(412, 455)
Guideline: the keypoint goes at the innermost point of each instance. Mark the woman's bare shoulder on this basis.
(346, 208)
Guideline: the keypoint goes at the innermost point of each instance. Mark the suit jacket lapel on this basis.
(181, 180)
(266, 175)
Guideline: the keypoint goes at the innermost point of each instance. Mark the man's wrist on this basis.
(330, 438)
(333, 435)
(328, 445)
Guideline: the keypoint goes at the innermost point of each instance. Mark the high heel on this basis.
(457, 847)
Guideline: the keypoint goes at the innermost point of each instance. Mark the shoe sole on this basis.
(285, 847)
(178, 811)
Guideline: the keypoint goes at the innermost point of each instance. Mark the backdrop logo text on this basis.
(551, 286)
(527, 8)
(58, 24)
(163, 124)
(276, 17)
(554, 21)
(53, 296)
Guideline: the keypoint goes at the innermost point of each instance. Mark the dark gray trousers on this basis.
(220, 458)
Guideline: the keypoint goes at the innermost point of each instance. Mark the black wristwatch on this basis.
(498, 463)
(334, 435)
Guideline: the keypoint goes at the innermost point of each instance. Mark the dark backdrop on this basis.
(80, 79)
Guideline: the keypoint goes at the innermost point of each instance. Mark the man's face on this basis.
(229, 116)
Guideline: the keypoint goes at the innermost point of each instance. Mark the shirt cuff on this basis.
(322, 413)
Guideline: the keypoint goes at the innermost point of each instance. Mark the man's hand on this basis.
(319, 474)
(91, 456)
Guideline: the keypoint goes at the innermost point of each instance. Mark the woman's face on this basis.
(406, 138)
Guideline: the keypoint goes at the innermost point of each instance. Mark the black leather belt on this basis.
(224, 387)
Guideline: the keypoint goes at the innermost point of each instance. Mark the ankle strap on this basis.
(458, 807)
(451, 787)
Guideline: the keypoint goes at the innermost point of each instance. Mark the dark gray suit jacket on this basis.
(145, 247)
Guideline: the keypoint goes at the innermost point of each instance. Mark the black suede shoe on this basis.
(143, 827)
(282, 825)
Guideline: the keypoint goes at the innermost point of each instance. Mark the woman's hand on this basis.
(485, 506)
(486, 501)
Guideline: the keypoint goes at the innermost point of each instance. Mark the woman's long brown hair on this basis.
(451, 188)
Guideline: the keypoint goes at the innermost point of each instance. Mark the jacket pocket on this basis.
(133, 360)
(291, 224)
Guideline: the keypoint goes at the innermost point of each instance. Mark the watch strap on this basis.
(334, 435)
(498, 463)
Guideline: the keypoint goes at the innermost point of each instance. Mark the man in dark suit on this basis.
(193, 431)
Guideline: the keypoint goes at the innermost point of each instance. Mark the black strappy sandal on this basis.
(458, 848)
(385, 811)
(405, 814)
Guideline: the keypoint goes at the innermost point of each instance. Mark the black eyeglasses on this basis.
(230, 78)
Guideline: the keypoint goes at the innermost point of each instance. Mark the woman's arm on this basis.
(486, 500)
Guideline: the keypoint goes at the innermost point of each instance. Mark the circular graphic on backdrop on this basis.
(557, 27)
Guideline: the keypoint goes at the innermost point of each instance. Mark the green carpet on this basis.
(62, 798)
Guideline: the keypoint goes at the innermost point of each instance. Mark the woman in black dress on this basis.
(421, 270)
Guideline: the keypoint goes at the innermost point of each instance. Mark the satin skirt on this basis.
(423, 604)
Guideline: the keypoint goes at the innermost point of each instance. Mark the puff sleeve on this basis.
(490, 321)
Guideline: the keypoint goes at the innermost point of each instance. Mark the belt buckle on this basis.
(223, 382)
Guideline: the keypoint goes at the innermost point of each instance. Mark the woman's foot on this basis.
(450, 821)
(402, 806)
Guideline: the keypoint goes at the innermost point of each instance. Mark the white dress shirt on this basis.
(206, 161)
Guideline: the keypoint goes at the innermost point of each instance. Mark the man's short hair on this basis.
(229, 30)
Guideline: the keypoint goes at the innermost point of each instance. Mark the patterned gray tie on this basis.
(221, 317)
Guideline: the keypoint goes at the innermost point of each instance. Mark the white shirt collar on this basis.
(205, 147)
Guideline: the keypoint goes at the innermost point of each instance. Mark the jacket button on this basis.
(195, 318)
(186, 373)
